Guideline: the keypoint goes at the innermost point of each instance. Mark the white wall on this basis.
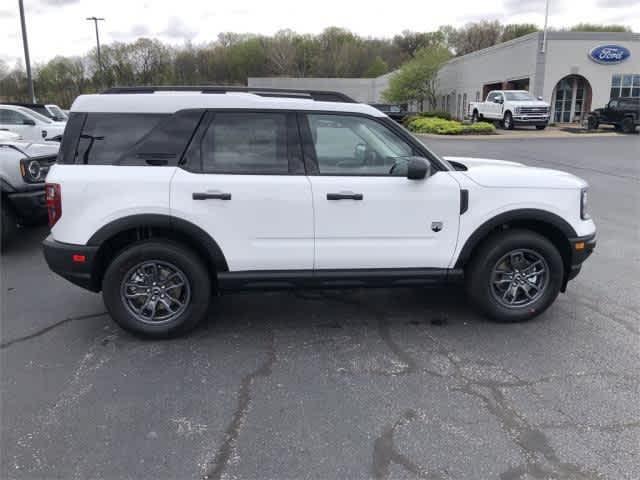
(571, 56)
(511, 60)
(364, 90)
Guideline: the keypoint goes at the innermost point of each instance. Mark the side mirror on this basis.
(418, 168)
(28, 121)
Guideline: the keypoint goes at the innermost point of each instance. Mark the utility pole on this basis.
(95, 21)
(25, 44)
(546, 22)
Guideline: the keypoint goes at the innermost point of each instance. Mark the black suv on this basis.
(623, 113)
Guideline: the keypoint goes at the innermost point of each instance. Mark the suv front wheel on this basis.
(515, 275)
(157, 289)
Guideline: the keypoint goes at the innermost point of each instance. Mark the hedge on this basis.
(440, 126)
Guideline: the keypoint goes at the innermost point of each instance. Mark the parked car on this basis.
(158, 200)
(30, 125)
(51, 111)
(23, 168)
(623, 113)
(396, 112)
(511, 108)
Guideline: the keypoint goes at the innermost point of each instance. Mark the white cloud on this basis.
(58, 27)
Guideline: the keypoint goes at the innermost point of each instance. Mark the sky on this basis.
(58, 27)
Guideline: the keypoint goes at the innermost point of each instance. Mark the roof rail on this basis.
(318, 95)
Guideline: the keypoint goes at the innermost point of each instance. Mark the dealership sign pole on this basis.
(546, 21)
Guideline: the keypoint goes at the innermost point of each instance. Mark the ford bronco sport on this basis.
(162, 196)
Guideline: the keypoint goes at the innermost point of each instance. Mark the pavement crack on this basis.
(44, 330)
(385, 452)
(214, 469)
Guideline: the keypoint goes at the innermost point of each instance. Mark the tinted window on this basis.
(165, 144)
(350, 145)
(72, 130)
(11, 117)
(250, 143)
(106, 137)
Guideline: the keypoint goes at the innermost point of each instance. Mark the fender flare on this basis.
(524, 214)
(174, 224)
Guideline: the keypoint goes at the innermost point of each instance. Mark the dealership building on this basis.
(573, 71)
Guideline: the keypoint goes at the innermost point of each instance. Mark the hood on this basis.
(34, 149)
(503, 174)
(529, 103)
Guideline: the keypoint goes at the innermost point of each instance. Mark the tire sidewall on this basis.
(479, 281)
(508, 125)
(627, 125)
(189, 263)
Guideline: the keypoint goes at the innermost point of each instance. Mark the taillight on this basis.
(54, 202)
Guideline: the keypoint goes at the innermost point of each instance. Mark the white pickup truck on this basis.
(511, 107)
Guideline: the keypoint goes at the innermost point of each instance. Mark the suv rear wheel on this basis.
(515, 275)
(627, 125)
(157, 289)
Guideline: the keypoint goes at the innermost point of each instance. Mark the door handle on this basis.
(211, 196)
(344, 196)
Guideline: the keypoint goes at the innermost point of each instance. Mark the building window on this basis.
(627, 85)
(464, 105)
(477, 96)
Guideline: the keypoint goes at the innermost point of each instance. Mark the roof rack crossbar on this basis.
(318, 95)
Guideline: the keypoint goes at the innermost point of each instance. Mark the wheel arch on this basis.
(118, 234)
(551, 226)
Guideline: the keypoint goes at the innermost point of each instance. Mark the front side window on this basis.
(246, 143)
(11, 117)
(352, 145)
(105, 137)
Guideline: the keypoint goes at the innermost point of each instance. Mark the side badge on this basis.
(436, 226)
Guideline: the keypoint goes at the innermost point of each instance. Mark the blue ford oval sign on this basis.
(609, 54)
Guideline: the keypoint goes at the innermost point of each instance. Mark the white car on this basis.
(511, 108)
(159, 200)
(30, 125)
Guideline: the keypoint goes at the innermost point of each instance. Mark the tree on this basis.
(410, 42)
(475, 36)
(515, 30)
(592, 27)
(417, 79)
(377, 68)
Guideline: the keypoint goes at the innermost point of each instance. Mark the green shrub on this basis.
(436, 114)
(440, 126)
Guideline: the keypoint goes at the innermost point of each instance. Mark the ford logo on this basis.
(609, 54)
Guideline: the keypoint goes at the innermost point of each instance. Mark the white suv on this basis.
(29, 124)
(163, 196)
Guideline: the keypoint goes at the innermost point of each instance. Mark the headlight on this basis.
(584, 215)
(33, 171)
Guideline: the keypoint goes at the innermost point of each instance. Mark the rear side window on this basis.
(105, 137)
(248, 143)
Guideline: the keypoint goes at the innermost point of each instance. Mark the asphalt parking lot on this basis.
(377, 384)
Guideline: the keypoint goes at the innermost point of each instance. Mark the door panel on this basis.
(366, 215)
(267, 224)
(243, 193)
(391, 227)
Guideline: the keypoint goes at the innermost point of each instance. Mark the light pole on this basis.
(546, 21)
(95, 21)
(27, 62)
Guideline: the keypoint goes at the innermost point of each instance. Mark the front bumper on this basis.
(29, 205)
(72, 262)
(581, 249)
(530, 119)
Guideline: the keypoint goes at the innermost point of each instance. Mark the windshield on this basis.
(36, 115)
(519, 96)
(57, 111)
